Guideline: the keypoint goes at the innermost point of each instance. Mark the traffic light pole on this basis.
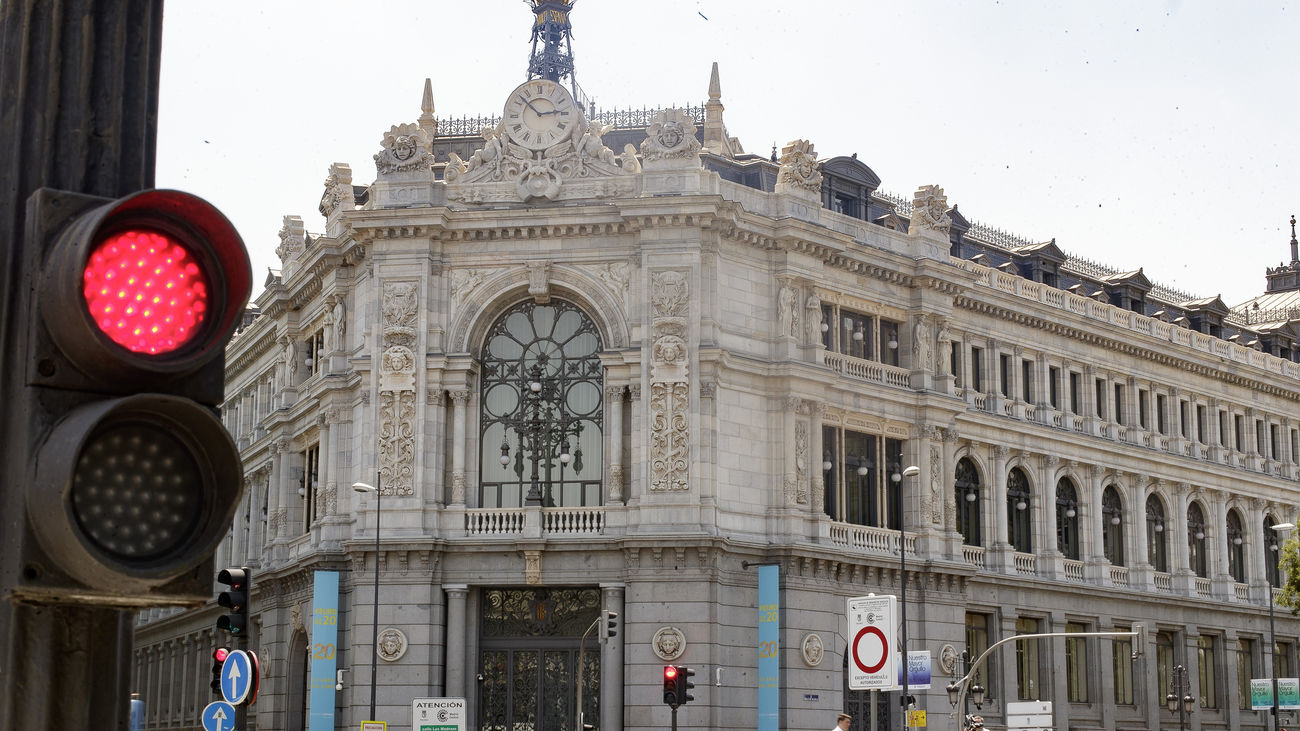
(80, 80)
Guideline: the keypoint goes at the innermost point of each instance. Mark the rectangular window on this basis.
(1075, 406)
(1200, 423)
(1119, 403)
(1162, 404)
(1238, 441)
(1184, 428)
(315, 349)
(954, 363)
(977, 641)
(888, 342)
(1283, 650)
(1004, 374)
(1223, 428)
(1207, 667)
(1028, 687)
(1027, 381)
(1260, 443)
(1076, 664)
(1245, 655)
(1053, 377)
(1295, 445)
(1143, 397)
(859, 488)
(1122, 668)
(1274, 442)
(977, 369)
(1164, 658)
(308, 484)
(1101, 398)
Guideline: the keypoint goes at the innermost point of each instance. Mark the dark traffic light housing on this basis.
(677, 685)
(684, 675)
(235, 599)
(670, 686)
(130, 478)
(219, 656)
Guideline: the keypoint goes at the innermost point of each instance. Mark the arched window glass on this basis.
(1112, 526)
(1196, 540)
(541, 408)
(1019, 525)
(1236, 548)
(1067, 519)
(966, 483)
(1272, 545)
(1157, 544)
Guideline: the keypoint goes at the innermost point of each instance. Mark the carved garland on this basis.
(397, 389)
(669, 383)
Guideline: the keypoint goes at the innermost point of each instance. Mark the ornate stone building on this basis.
(613, 361)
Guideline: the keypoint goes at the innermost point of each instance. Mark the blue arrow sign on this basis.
(236, 677)
(219, 716)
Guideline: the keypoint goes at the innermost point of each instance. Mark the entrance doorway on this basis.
(528, 659)
(871, 709)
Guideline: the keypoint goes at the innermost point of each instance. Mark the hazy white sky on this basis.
(1138, 134)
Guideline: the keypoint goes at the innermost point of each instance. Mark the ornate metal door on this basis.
(528, 659)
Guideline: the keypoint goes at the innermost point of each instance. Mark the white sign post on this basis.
(873, 656)
(438, 714)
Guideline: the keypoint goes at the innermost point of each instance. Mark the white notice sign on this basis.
(873, 658)
(438, 714)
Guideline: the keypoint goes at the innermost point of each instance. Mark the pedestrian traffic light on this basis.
(219, 656)
(684, 675)
(608, 624)
(670, 685)
(235, 599)
(125, 308)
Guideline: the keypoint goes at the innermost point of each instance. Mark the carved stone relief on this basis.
(799, 173)
(669, 643)
(405, 150)
(397, 389)
(930, 211)
(392, 644)
(670, 137)
(338, 195)
(801, 461)
(533, 567)
(293, 242)
(813, 649)
(669, 383)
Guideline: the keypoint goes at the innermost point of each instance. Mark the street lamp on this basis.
(1280, 530)
(362, 487)
(956, 696)
(912, 471)
(543, 429)
(1180, 698)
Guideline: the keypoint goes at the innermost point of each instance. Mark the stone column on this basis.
(1047, 546)
(1091, 521)
(612, 661)
(457, 631)
(1181, 566)
(1256, 544)
(1140, 571)
(614, 444)
(999, 556)
(279, 490)
(789, 480)
(459, 400)
(1088, 394)
(1216, 543)
(817, 488)
(949, 495)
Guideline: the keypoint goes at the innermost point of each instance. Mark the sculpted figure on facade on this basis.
(945, 348)
(813, 318)
(799, 171)
(404, 150)
(788, 310)
(922, 356)
(293, 242)
(670, 136)
(930, 211)
(338, 195)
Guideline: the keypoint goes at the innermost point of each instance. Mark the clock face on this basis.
(539, 114)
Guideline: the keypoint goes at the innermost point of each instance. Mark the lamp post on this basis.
(374, 636)
(1280, 532)
(543, 428)
(1180, 698)
(911, 471)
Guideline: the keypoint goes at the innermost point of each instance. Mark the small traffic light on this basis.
(219, 656)
(235, 599)
(670, 685)
(131, 480)
(608, 624)
(684, 675)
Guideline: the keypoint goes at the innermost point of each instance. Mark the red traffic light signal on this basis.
(670, 685)
(219, 656)
(131, 479)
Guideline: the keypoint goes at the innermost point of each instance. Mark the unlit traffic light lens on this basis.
(134, 490)
(145, 291)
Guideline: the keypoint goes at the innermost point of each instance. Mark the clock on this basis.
(538, 114)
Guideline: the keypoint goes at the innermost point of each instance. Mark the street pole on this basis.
(1280, 530)
(374, 636)
(911, 471)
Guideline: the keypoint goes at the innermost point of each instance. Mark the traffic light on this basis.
(130, 479)
(608, 624)
(684, 675)
(670, 685)
(235, 599)
(219, 656)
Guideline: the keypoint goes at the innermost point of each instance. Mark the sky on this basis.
(1136, 133)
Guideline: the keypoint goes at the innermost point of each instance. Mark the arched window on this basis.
(1067, 519)
(1157, 545)
(1019, 526)
(541, 408)
(1272, 548)
(966, 483)
(1112, 526)
(1236, 549)
(1196, 540)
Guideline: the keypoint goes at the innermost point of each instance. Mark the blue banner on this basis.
(324, 650)
(769, 648)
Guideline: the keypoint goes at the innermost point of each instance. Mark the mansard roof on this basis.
(1044, 250)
